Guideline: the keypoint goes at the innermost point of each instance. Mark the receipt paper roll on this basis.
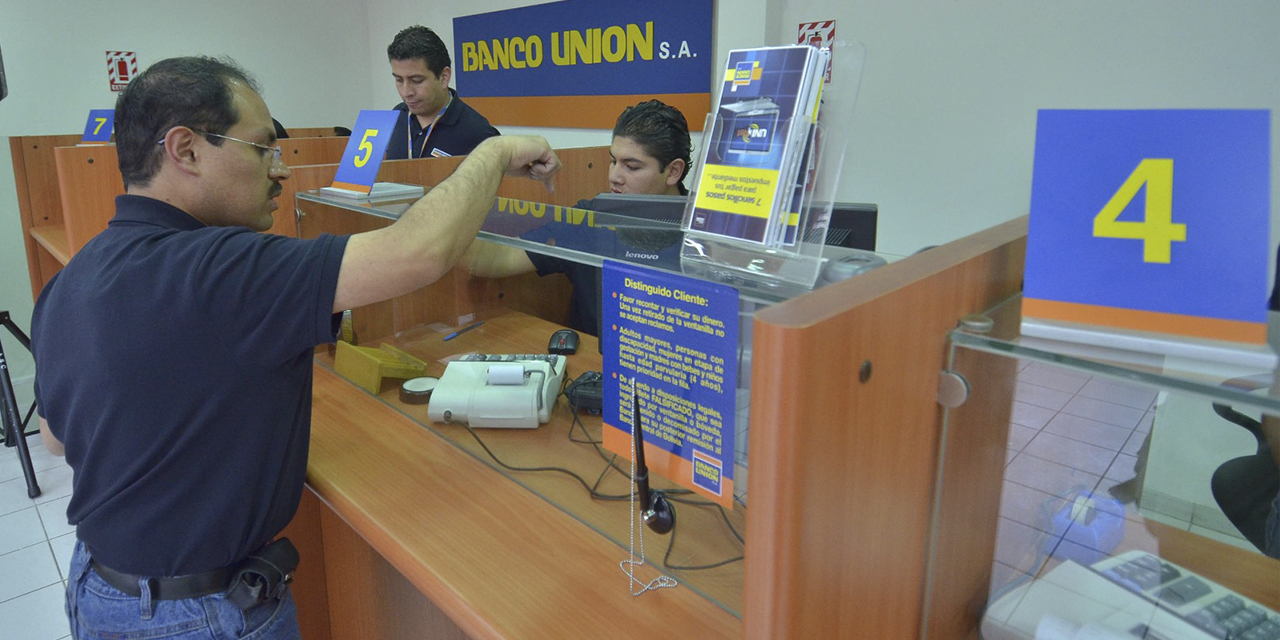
(506, 374)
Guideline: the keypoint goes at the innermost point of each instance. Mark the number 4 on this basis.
(1157, 230)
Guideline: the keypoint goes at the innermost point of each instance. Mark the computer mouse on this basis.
(564, 342)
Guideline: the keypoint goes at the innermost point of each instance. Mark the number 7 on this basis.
(101, 121)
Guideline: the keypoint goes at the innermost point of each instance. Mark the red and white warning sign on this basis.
(818, 34)
(122, 66)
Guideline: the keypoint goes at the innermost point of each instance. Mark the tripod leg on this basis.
(13, 427)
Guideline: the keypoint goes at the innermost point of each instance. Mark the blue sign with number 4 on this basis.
(1163, 212)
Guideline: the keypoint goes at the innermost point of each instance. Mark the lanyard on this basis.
(426, 133)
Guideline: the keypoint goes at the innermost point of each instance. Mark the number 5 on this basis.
(1157, 230)
(366, 146)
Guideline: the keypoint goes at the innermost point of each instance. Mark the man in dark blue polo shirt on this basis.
(173, 354)
(434, 121)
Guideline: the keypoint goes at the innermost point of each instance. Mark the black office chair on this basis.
(1246, 487)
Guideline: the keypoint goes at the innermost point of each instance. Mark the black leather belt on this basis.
(175, 588)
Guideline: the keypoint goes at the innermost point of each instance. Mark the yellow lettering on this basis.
(533, 51)
(1157, 231)
(501, 59)
(512, 46)
(469, 60)
(614, 41)
(638, 42)
(560, 57)
(581, 47)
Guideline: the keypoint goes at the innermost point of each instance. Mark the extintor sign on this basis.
(122, 66)
(818, 34)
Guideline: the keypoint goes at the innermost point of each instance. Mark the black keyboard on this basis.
(1214, 609)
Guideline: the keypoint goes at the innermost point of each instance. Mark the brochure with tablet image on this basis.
(763, 116)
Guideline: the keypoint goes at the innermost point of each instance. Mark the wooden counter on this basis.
(422, 536)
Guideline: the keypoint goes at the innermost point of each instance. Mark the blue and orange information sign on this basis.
(674, 340)
(98, 128)
(365, 148)
(578, 63)
(1152, 221)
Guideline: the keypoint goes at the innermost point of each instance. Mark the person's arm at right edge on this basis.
(434, 233)
(1271, 425)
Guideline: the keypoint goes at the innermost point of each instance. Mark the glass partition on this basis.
(1135, 490)
(563, 460)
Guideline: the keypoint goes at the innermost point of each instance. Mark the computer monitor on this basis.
(853, 225)
(659, 208)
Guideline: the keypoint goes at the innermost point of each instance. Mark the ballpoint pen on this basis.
(462, 331)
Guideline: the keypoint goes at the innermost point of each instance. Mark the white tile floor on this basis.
(1072, 432)
(35, 546)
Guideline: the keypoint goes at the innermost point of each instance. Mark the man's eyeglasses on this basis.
(275, 151)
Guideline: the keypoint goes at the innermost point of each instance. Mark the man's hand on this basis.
(531, 157)
(51, 443)
(436, 231)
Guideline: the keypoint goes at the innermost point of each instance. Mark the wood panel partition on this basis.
(845, 443)
(40, 205)
(457, 295)
(312, 132)
(89, 180)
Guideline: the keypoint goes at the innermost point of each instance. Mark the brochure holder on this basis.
(780, 264)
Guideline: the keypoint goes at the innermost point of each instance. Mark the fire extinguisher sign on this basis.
(819, 34)
(122, 66)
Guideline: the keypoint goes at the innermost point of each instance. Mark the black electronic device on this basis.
(657, 512)
(852, 225)
(563, 342)
(586, 392)
(642, 207)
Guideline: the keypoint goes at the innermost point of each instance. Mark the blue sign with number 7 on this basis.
(98, 129)
(359, 167)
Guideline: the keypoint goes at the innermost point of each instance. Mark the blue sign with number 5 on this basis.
(98, 129)
(359, 167)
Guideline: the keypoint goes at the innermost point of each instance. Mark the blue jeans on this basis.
(97, 610)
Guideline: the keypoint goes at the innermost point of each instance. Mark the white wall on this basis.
(310, 57)
(943, 130)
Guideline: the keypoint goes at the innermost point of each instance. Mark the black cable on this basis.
(590, 490)
(724, 515)
(666, 558)
(611, 463)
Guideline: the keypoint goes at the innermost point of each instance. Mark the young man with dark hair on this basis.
(434, 121)
(174, 354)
(650, 153)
